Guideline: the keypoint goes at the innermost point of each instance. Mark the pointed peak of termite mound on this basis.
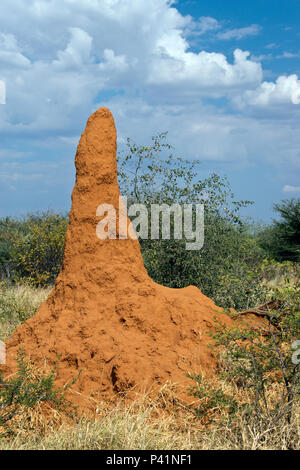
(96, 192)
(96, 151)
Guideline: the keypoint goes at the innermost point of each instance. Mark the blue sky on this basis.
(221, 77)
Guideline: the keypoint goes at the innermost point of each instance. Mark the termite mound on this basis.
(105, 315)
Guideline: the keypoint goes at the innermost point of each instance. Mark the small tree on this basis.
(226, 268)
(281, 240)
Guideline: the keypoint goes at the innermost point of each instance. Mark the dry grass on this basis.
(150, 424)
(146, 423)
(17, 303)
(281, 274)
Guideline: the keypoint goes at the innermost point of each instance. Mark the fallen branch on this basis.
(263, 310)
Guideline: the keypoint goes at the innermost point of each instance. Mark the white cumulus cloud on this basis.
(174, 64)
(62, 58)
(286, 90)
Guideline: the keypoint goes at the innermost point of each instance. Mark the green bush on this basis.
(10, 229)
(211, 399)
(37, 251)
(26, 391)
(281, 240)
(227, 268)
(261, 354)
(260, 378)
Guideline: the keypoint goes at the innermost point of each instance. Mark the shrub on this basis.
(281, 240)
(37, 252)
(259, 354)
(227, 268)
(26, 391)
(10, 229)
(212, 400)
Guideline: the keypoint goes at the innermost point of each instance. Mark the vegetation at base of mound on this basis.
(28, 389)
(257, 357)
(239, 409)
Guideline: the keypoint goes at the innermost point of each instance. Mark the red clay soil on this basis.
(105, 315)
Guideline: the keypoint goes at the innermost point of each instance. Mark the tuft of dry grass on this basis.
(17, 304)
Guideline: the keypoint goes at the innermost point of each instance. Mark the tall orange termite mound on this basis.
(105, 315)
